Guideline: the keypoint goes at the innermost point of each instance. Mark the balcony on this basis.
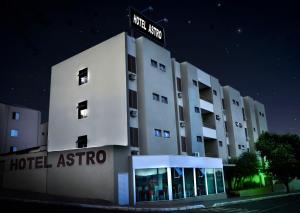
(209, 132)
(206, 106)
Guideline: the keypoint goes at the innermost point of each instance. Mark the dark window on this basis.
(240, 146)
(237, 103)
(179, 84)
(197, 110)
(134, 137)
(215, 92)
(83, 76)
(166, 134)
(82, 141)
(181, 116)
(164, 99)
(218, 117)
(226, 128)
(16, 116)
(246, 133)
(220, 143)
(223, 103)
(155, 96)
(199, 139)
(13, 149)
(153, 63)
(260, 113)
(233, 101)
(162, 67)
(157, 132)
(183, 144)
(243, 110)
(228, 150)
(254, 129)
(131, 63)
(132, 99)
(195, 83)
(82, 110)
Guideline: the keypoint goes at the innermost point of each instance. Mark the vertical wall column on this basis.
(170, 190)
(195, 186)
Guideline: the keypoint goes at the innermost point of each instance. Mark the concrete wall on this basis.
(155, 114)
(27, 126)
(105, 91)
(261, 118)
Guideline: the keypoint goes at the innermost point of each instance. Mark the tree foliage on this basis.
(282, 153)
(245, 166)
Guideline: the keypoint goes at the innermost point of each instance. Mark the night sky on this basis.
(250, 45)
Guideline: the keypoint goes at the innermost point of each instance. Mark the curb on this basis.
(104, 207)
(254, 199)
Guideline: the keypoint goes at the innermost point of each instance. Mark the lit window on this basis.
(197, 110)
(162, 67)
(199, 139)
(153, 63)
(82, 110)
(14, 133)
(157, 132)
(155, 96)
(166, 134)
(16, 116)
(82, 141)
(215, 92)
(83, 76)
(164, 99)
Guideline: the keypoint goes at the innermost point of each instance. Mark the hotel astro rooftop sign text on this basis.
(146, 26)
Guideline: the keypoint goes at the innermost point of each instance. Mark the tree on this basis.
(282, 153)
(245, 166)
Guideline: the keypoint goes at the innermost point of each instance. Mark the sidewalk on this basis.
(176, 205)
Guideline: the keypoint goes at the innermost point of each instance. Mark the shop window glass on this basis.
(211, 188)
(200, 181)
(219, 180)
(189, 182)
(177, 183)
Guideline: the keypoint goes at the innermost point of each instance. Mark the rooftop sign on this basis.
(146, 26)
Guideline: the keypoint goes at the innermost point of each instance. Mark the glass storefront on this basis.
(177, 183)
(151, 184)
(189, 182)
(219, 180)
(211, 187)
(200, 181)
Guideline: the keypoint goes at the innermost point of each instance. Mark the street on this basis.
(285, 204)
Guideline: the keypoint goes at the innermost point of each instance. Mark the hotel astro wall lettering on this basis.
(63, 160)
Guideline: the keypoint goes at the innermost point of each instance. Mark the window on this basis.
(195, 83)
(181, 116)
(13, 149)
(233, 101)
(131, 63)
(260, 113)
(132, 99)
(239, 146)
(243, 110)
(82, 141)
(199, 139)
(83, 76)
(225, 124)
(200, 181)
(179, 84)
(220, 143)
(218, 117)
(228, 150)
(223, 103)
(82, 110)
(16, 116)
(197, 110)
(211, 187)
(254, 129)
(134, 136)
(14, 133)
(166, 134)
(162, 67)
(237, 103)
(153, 63)
(189, 182)
(246, 133)
(177, 183)
(164, 99)
(219, 180)
(155, 96)
(215, 92)
(157, 132)
(183, 144)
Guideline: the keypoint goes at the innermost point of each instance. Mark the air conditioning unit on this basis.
(240, 125)
(197, 154)
(179, 95)
(182, 124)
(132, 76)
(218, 117)
(133, 113)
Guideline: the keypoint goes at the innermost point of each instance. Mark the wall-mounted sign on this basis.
(146, 26)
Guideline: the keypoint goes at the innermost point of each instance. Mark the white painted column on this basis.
(195, 186)
(206, 190)
(170, 190)
(183, 180)
(215, 177)
(133, 185)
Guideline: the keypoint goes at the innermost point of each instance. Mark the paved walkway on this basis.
(176, 205)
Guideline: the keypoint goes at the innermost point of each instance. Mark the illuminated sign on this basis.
(147, 27)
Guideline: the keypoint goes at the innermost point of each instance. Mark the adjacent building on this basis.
(128, 123)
